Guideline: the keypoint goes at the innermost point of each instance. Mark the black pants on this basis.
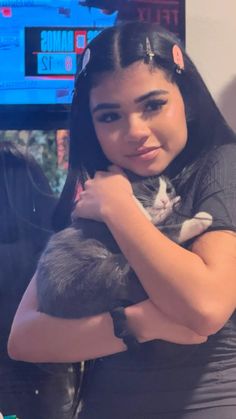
(32, 392)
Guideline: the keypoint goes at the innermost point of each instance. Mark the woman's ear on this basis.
(178, 57)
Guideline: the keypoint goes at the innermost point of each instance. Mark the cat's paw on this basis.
(204, 219)
(195, 226)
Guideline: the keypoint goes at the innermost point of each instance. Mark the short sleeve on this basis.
(216, 188)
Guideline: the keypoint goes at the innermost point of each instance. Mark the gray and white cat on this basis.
(82, 271)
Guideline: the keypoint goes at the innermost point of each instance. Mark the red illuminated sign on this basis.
(80, 41)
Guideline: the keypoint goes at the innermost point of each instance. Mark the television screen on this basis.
(40, 42)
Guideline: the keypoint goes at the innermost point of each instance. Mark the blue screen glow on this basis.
(40, 41)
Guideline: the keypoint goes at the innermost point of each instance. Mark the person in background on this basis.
(141, 107)
(27, 390)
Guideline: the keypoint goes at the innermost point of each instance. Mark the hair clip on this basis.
(149, 52)
(85, 61)
(178, 59)
(82, 71)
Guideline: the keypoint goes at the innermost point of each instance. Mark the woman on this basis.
(26, 205)
(141, 106)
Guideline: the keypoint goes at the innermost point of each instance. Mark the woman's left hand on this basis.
(101, 193)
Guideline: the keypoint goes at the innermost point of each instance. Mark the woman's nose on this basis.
(137, 129)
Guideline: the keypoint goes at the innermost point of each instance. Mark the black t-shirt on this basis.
(214, 189)
(166, 377)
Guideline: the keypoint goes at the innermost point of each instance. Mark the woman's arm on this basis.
(37, 337)
(195, 288)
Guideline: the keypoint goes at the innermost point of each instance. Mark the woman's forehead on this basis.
(134, 81)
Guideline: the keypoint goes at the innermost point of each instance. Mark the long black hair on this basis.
(26, 207)
(27, 202)
(118, 47)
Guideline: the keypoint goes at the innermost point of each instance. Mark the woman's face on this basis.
(139, 119)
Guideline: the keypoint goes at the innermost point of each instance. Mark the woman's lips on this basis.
(145, 153)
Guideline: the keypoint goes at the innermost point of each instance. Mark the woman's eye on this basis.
(108, 117)
(154, 105)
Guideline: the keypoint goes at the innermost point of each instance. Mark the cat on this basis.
(82, 271)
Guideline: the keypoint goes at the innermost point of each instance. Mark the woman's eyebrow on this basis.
(108, 106)
(150, 94)
(104, 106)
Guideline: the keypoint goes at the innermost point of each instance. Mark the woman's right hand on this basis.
(102, 193)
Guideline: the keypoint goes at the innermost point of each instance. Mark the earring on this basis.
(178, 69)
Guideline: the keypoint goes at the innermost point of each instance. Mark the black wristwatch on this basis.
(121, 329)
